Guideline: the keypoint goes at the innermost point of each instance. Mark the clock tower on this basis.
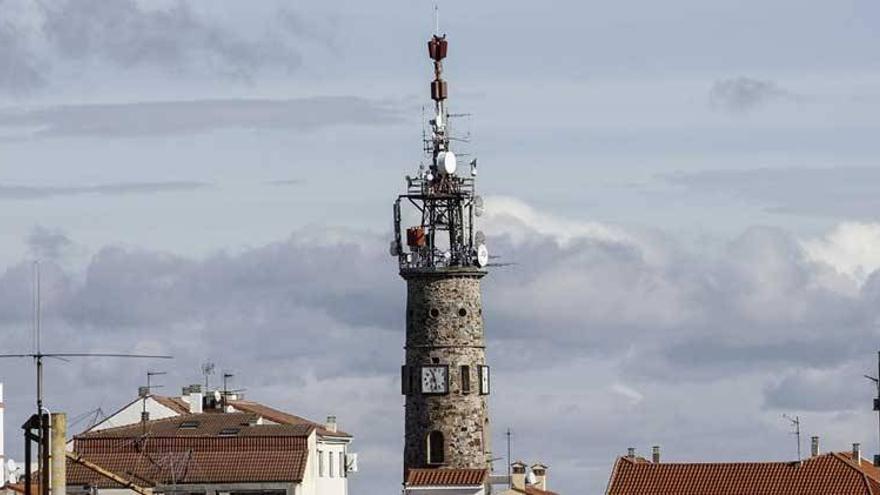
(445, 378)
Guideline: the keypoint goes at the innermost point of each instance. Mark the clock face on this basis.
(484, 380)
(435, 379)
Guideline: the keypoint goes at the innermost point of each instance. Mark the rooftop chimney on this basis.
(518, 475)
(330, 425)
(857, 453)
(540, 472)
(631, 452)
(655, 454)
(814, 446)
(195, 402)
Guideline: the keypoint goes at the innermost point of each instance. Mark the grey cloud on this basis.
(176, 117)
(740, 94)
(19, 71)
(315, 323)
(47, 243)
(8, 191)
(842, 192)
(818, 390)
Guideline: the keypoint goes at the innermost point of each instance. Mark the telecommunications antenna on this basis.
(38, 421)
(207, 370)
(796, 424)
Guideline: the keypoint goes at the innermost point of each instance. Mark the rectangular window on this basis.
(330, 458)
(321, 463)
(343, 469)
(465, 379)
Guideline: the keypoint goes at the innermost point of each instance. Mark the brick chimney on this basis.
(540, 472)
(518, 475)
(814, 447)
(655, 454)
(857, 453)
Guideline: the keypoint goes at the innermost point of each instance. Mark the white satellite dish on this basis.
(478, 206)
(482, 256)
(446, 162)
(11, 466)
(531, 479)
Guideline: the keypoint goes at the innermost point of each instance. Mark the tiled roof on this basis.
(176, 404)
(204, 425)
(187, 467)
(446, 477)
(828, 474)
(280, 417)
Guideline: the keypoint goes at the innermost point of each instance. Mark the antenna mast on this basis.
(36, 429)
(876, 381)
(796, 423)
(447, 202)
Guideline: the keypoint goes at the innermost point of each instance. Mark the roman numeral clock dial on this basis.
(435, 379)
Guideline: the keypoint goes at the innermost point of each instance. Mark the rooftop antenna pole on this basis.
(436, 20)
(207, 370)
(796, 422)
(39, 422)
(509, 479)
(149, 391)
(877, 403)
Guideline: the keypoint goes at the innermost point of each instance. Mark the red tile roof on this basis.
(203, 425)
(828, 474)
(176, 404)
(446, 477)
(165, 451)
(281, 417)
(186, 467)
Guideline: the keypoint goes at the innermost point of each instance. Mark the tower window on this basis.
(465, 379)
(435, 448)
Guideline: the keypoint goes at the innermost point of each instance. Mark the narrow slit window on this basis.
(465, 379)
(435, 448)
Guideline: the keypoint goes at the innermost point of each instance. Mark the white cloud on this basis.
(851, 248)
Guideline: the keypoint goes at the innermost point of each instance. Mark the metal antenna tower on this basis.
(40, 420)
(876, 381)
(796, 423)
(446, 201)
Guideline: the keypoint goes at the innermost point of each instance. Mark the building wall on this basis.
(131, 414)
(444, 322)
(325, 484)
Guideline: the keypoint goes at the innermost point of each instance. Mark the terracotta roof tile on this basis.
(201, 425)
(826, 474)
(176, 404)
(191, 467)
(446, 477)
(280, 417)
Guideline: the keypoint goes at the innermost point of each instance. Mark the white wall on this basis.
(131, 414)
(326, 484)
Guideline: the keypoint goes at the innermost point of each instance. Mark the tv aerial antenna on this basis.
(207, 371)
(796, 425)
(40, 420)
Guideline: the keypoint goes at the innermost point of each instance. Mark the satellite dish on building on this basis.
(482, 255)
(531, 479)
(446, 162)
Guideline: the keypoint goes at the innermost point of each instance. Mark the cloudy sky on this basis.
(688, 191)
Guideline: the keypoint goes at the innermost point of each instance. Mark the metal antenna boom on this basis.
(796, 422)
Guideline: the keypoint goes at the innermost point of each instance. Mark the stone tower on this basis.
(443, 258)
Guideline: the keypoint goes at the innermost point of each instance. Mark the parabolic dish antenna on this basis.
(446, 162)
(482, 256)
